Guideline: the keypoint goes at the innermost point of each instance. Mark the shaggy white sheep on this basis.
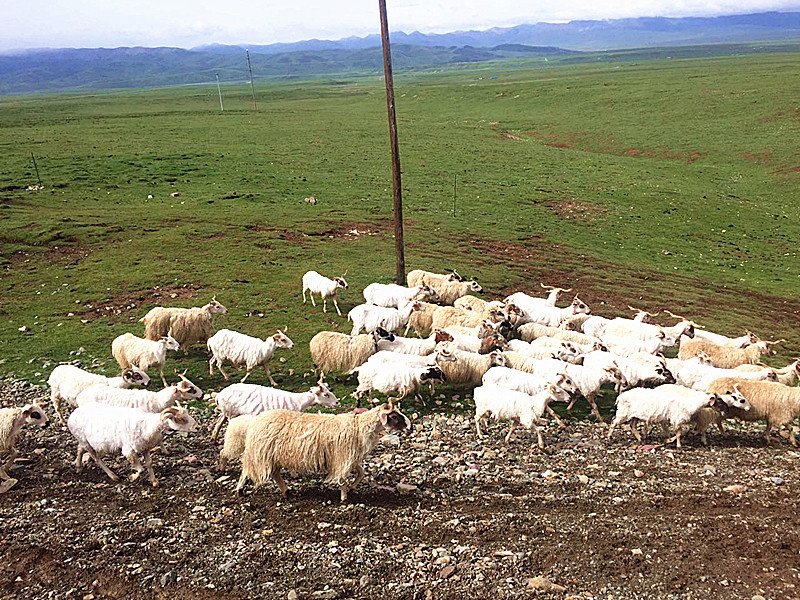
(368, 317)
(244, 350)
(188, 325)
(131, 351)
(144, 400)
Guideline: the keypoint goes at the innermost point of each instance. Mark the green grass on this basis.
(669, 184)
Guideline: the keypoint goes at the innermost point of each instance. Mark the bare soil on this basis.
(602, 519)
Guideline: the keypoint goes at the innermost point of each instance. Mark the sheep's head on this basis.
(496, 359)
(34, 415)
(474, 287)
(135, 376)
(767, 347)
(170, 342)
(381, 334)
(565, 382)
(323, 395)
(282, 340)
(432, 373)
(428, 293)
(736, 399)
(454, 276)
(178, 419)
(440, 336)
(187, 389)
(579, 306)
(393, 420)
(444, 354)
(340, 282)
(215, 308)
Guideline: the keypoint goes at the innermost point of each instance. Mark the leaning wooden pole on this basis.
(399, 251)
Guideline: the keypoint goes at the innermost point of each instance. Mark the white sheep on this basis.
(368, 317)
(518, 407)
(67, 381)
(524, 300)
(775, 403)
(661, 405)
(742, 341)
(636, 373)
(102, 429)
(727, 357)
(11, 422)
(697, 373)
(144, 400)
(629, 347)
(391, 295)
(635, 330)
(235, 435)
(470, 302)
(131, 351)
(711, 415)
(552, 316)
(421, 347)
(188, 325)
(532, 331)
(398, 379)
(418, 277)
(244, 350)
(307, 443)
(520, 351)
(334, 352)
(325, 287)
(473, 343)
(250, 399)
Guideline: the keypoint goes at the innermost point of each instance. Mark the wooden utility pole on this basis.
(399, 251)
(252, 86)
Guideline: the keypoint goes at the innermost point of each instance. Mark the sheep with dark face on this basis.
(305, 443)
(11, 422)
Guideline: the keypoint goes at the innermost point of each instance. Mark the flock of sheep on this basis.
(518, 355)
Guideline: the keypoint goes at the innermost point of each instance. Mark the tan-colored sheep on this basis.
(726, 357)
(421, 321)
(470, 367)
(334, 352)
(187, 325)
(305, 443)
(11, 422)
(787, 375)
(235, 436)
(446, 316)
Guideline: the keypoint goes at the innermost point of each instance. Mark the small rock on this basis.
(447, 571)
(583, 479)
(638, 473)
(391, 439)
(155, 523)
(292, 595)
(331, 593)
(365, 580)
(544, 584)
(776, 480)
(636, 552)
(168, 577)
(735, 488)
(758, 597)
(149, 196)
(406, 488)
(709, 470)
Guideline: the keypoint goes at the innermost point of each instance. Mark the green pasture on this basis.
(664, 184)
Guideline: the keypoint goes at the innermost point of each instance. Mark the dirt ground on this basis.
(482, 520)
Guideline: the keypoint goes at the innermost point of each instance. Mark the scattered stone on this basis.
(292, 595)
(776, 480)
(583, 479)
(638, 473)
(636, 552)
(543, 584)
(736, 488)
(447, 572)
(365, 580)
(7, 485)
(323, 594)
(406, 488)
(391, 439)
(168, 577)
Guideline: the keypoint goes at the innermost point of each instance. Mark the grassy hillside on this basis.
(663, 184)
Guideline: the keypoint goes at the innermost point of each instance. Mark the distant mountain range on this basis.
(611, 34)
(50, 70)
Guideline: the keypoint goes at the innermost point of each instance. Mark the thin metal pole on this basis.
(399, 251)
(219, 91)
(454, 195)
(39, 179)
(252, 87)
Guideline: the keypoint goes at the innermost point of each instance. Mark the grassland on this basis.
(670, 184)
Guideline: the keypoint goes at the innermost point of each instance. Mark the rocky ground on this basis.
(440, 515)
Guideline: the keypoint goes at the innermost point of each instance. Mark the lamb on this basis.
(67, 381)
(333, 445)
(531, 331)
(144, 400)
(518, 407)
(241, 349)
(233, 445)
(787, 375)
(420, 347)
(775, 403)
(471, 343)
(657, 405)
(391, 295)
(421, 321)
(11, 422)
(326, 288)
(102, 429)
(594, 326)
(727, 357)
(469, 367)
(188, 325)
(368, 317)
(395, 378)
(131, 351)
(249, 399)
(334, 352)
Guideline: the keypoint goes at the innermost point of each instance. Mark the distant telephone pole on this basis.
(219, 91)
(252, 87)
(399, 251)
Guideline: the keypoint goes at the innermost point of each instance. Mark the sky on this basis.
(189, 23)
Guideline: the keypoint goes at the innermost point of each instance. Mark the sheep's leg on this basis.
(324, 304)
(611, 429)
(336, 304)
(478, 419)
(161, 372)
(12, 455)
(133, 458)
(556, 418)
(360, 473)
(217, 427)
(767, 435)
(595, 410)
(408, 326)
(224, 374)
(79, 458)
(571, 404)
(148, 463)
(101, 464)
(278, 479)
(241, 482)
(510, 430)
(223, 461)
(311, 295)
(246, 375)
(634, 426)
(539, 440)
(304, 295)
(793, 436)
(211, 366)
(344, 488)
(703, 438)
(266, 370)
(678, 437)
(56, 400)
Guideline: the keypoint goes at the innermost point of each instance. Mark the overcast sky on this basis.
(188, 23)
